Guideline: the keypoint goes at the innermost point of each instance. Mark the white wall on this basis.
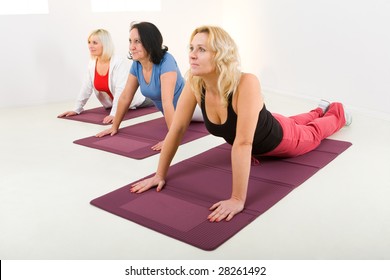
(334, 49)
(44, 57)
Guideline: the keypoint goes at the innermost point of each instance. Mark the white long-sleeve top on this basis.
(117, 77)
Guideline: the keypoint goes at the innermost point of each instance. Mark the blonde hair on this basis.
(226, 59)
(105, 38)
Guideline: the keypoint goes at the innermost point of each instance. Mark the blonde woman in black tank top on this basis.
(233, 108)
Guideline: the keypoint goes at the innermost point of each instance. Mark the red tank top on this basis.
(101, 83)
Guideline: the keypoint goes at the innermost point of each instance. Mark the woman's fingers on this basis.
(226, 209)
(158, 146)
(146, 184)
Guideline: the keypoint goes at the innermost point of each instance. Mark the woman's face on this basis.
(201, 57)
(136, 48)
(95, 46)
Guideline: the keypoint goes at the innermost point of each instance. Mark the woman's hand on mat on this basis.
(67, 114)
(111, 131)
(225, 209)
(108, 119)
(148, 183)
(158, 146)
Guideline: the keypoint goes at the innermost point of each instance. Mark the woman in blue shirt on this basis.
(155, 71)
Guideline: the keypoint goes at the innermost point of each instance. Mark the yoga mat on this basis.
(135, 141)
(96, 115)
(180, 210)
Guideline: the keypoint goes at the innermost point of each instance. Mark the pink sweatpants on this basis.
(304, 132)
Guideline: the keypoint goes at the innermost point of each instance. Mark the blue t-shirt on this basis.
(153, 89)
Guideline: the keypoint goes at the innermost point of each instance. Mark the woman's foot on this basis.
(324, 105)
(348, 116)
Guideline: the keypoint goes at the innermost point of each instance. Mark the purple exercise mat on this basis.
(96, 115)
(180, 210)
(135, 141)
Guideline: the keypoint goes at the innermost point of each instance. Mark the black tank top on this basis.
(268, 132)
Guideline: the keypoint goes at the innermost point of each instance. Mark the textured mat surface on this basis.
(96, 115)
(180, 210)
(135, 141)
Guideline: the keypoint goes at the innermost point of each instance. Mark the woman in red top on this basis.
(107, 76)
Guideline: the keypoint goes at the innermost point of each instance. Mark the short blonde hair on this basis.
(106, 40)
(227, 62)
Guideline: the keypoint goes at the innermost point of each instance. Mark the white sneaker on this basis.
(324, 105)
(348, 117)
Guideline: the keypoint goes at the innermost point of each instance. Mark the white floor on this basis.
(46, 183)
